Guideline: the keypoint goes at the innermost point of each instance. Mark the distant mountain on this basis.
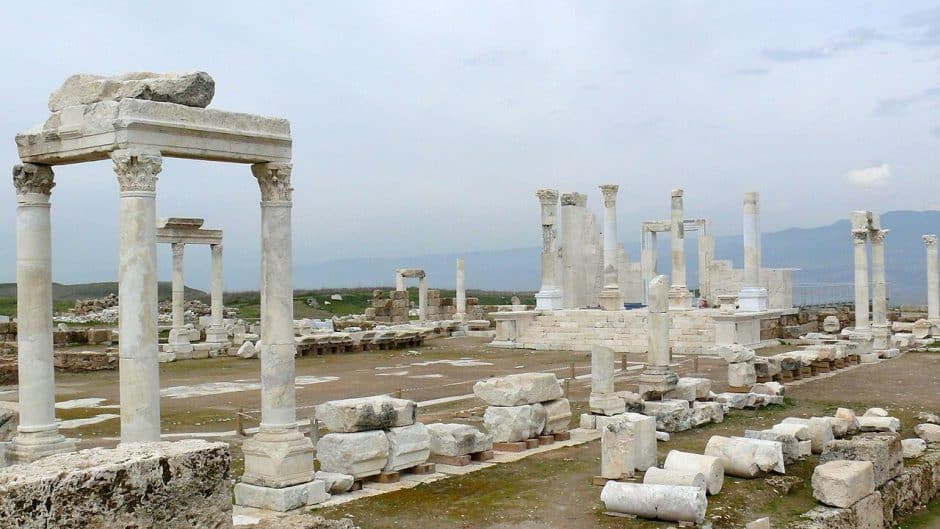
(62, 292)
(822, 255)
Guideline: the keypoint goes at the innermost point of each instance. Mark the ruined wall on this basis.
(725, 279)
(177, 485)
(395, 308)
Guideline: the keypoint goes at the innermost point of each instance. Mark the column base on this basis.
(656, 382)
(28, 447)
(282, 499)
(881, 337)
(752, 299)
(610, 298)
(548, 300)
(278, 459)
(680, 298)
(217, 335)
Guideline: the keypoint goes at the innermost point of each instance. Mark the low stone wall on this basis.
(61, 338)
(142, 485)
(82, 361)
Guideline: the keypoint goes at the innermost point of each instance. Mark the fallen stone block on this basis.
(927, 417)
(336, 483)
(734, 353)
(192, 89)
(588, 421)
(247, 351)
(618, 450)
(518, 390)
(820, 430)
(660, 476)
(848, 418)
(457, 439)
(746, 458)
(806, 449)
(878, 424)
(788, 442)
(657, 502)
(690, 389)
(912, 448)
(732, 401)
(798, 430)
(707, 412)
(671, 415)
(359, 454)
(367, 413)
(928, 432)
(282, 499)
(644, 430)
(769, 388)
(557, 416)
(882, 449)
(508, 424)
(742, 374)
(408, 446)
(875, 412)
(842, 483)
(709, 466)
(608, 404)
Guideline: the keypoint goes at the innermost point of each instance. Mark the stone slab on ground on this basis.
(408, 446)
(842, 483)
(519, 389)
(283, 499)
(882, 449)
(359, 454)
(509, 424)
(458, 439)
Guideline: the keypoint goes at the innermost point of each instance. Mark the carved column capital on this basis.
(860, 237)
(610, 194)
(930, 241)
(274, 181)
(548, 197)
(878, 236)
(33, 178)
(178, 249)
(137, 169)
(216, 250)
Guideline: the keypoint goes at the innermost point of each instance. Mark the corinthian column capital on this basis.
(860, 237)
(878, 236)
(33, 178)
(610, 194)
(137, 169)
(930, 241)
(548, 197)
(274, 181)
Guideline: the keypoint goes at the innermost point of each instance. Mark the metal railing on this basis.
(826, 294)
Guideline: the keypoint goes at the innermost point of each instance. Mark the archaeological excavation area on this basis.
(617, 395)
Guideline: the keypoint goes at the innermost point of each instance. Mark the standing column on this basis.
(37, 434)
(679, 297)
(860, 238)
(610, 297)
(179, 296)
(216, 332)
(278, 456)
(657, 379)
(879, 316)
(461, 292)
(933, 282)
(549, 295)
(423, 297)
(399, 281)
(139, 370)
(753, 296)
(705, 254)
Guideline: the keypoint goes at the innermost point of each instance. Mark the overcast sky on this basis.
(427, 127)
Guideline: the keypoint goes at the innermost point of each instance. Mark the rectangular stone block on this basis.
(281, 500)
(458, 439)
(518, 390)
(359, 454)
(509, 424)
(842, 483)
(671, 415)
(408, 446)
(367, 413)
(882, 449)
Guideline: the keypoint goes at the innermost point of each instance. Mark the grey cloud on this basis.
(851, 40)
(752, 71)
(893, 106)
(927, 23)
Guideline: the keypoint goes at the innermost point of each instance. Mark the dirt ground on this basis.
(551, 490)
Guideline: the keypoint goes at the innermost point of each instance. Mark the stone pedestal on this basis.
(549, 295)
(657, 378)
(752, 299)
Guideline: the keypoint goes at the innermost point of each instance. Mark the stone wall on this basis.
(727, 280)
(8, 333)
(394, 309)
(141, 485)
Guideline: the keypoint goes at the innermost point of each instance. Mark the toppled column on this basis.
(709, 466)
(461, 313)
(659, 476)
(933, 281)
(610, 297)
(618, 456)
(679, 296)
(549, 295)
(657, 502)
(746, 458)
(753, 297)
(658, 378)
(603, 401)
(880, 328)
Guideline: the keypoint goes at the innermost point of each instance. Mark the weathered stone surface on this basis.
(644, 430)
(882, 449)
(798, 430)
(878, 424)
(281, 499)
(658, 502)
(458, 439)
(875, 412)
(557, 416)
(741, 374)
(608, 404)
(512, 423)
(912, 448)
(618, 450)
(303, 521)
(842, 483)
(707, 412)
(247, 351)
(927, 417)
(928, 432)
(336, 483)
(358, 454)
(408, 446)
(768, 388)
(734, 353)
(367, 413)
(746, 458)
(588, 421)
(660, 476)
(518, 390)
(709, 466)
(9, 418)
(142, 485)
(690, 389)
(671, 415)
(193, 89)
(789, 443)
(820, 430)
(848, 418)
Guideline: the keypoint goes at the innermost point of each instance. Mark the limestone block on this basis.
(359, 454)
(633, 401)
(875, 412)
(690, 389)
(671, 415)
(609, 404)
(746, 458)
(928, 432)
(741, 374)
(806, 448)
(558, 416)
(588, 421)
(731, 401)
(734, 353)
(799, 430)
(408, 446)
(839, 427)
(512, 423)
(842, 483)
(193, 89)
(707, 412)
(658, 502)
(869, 511)
(644, 431)
(788, 442)
(518, 390)
(366, 413)
(335, 483)
(458, 439)
(766, 367)
(247, 350)
(882, 449)
(831, 324)
(659, 476)
(618, 450)
(820, 431)
(912, 448)
(878, 424)
(281, 499)
(165, 485)
(769, 388)
(848, 419)
(709, 466)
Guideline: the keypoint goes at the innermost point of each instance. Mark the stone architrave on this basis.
(37, 434)
(933, 281)
(679, 296)
(549, 295)
(753, 296)
(193, 89)
(610, 298)
(658, 378)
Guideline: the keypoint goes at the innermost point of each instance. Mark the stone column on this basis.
(423, 298)
(610, 297)
(706, 252)
(216, 332)
(679, 296)
(648, 258)
(658, 378)
(879, 316)
(179, 296)
(933, 281)
(753, 296)
(549, 295)
(572, 251)
(278, 456)
(139, 370)
(399, 281)
(37, 434)
(461, 294)
(860, 238)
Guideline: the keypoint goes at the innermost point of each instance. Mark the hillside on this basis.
(70, 293)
